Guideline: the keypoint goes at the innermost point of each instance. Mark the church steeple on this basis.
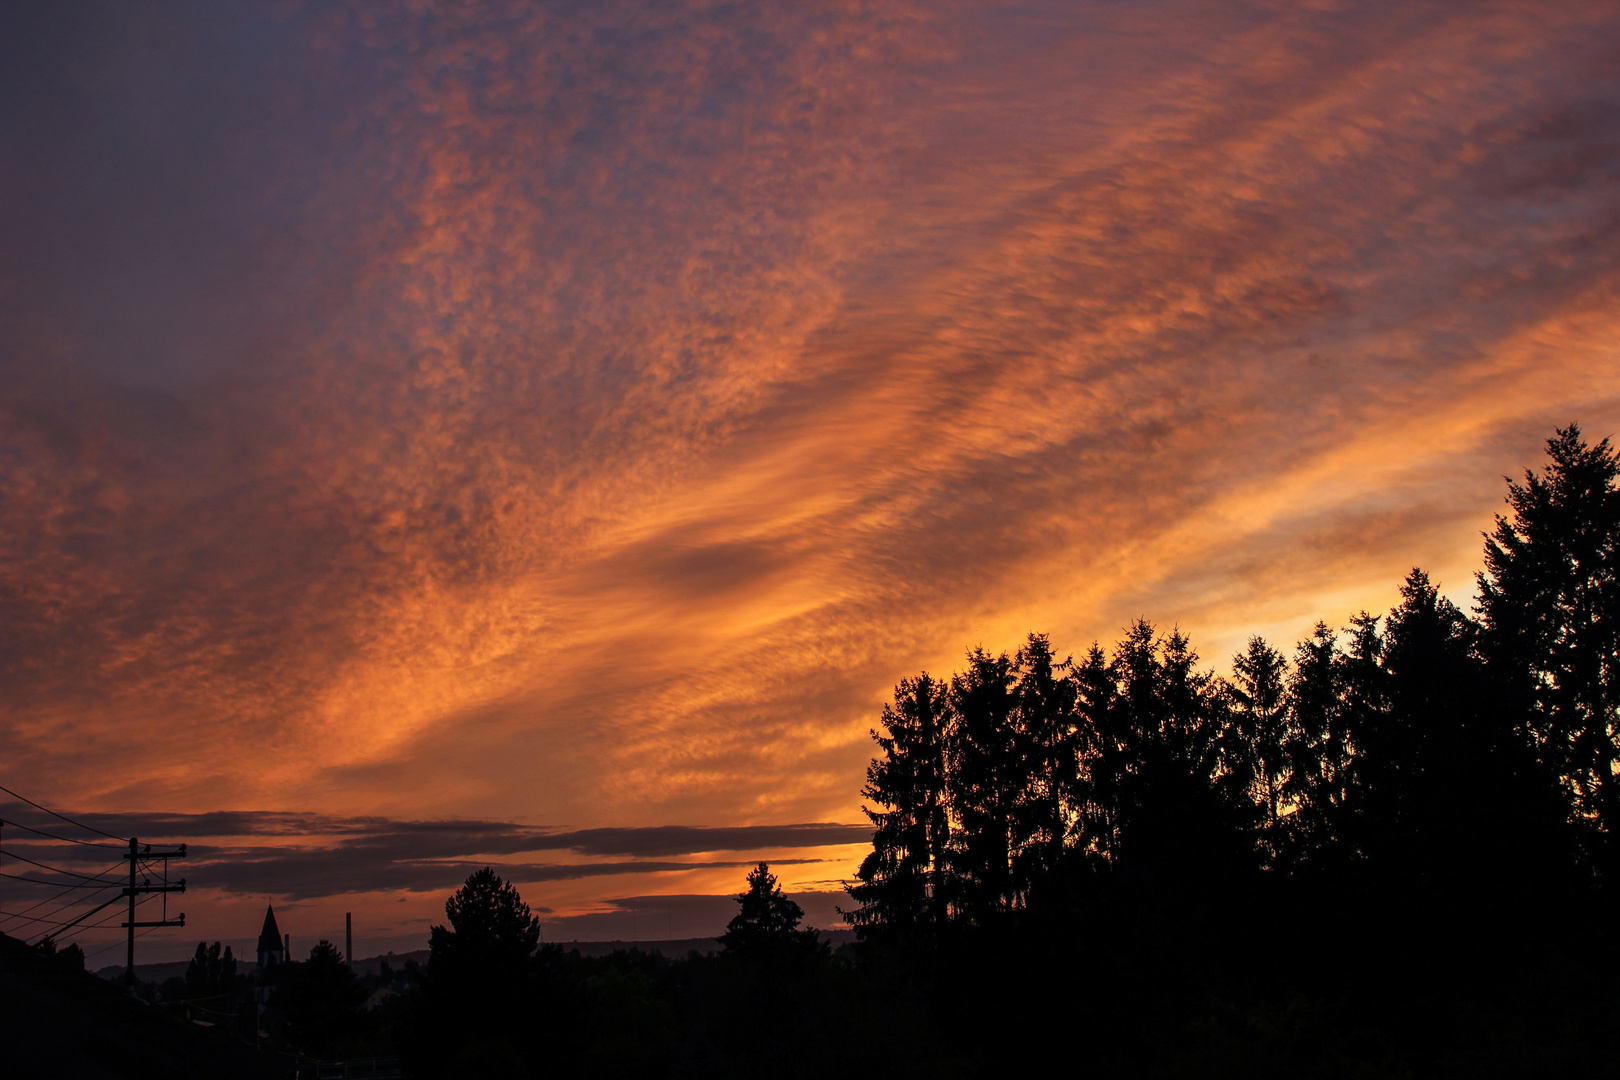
(270, 951)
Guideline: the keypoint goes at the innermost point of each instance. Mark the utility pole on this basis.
(129, 960)
(138, 852)
(348, 938)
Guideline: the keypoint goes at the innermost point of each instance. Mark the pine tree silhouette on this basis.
(767, 922)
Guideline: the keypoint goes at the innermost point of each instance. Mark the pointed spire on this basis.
(270, 936)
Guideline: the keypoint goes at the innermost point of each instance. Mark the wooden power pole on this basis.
(139, 853)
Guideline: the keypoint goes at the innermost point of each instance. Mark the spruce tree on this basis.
(767, 922)
(986, 784)
(1261, 713)
(1318, 751)
(1549, 601)
(900, 882)
(1047, 754)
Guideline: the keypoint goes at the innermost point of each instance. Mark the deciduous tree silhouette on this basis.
(211, 972)
(319, 999)
(492, 934)
(479, 981)
(72, 954)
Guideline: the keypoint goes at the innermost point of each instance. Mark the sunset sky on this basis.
(542, 434)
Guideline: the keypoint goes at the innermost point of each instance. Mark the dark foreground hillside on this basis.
(62, 1022)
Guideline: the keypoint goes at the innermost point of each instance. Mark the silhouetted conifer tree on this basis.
(900, 883)
(986, 780)
(1260, 712)
(1549, 599)
(1181, 799)
(1318, 752)
(1102, 759)
(767, 922)
(1363, 707)
(1048, 766)
(1433, 739)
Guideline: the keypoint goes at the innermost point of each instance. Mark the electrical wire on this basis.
(50, 899)
(114, 945)
(110, 922)
(61, 910)
(53, 869)
(103, 924)
(38, 881)
(53, 836)
(64, 817)
(143, 933)
(68, 929)
(95, 883)
(29, 918)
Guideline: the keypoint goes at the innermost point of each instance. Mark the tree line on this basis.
(1428, 750)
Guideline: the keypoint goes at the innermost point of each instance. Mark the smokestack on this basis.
(348, 938)
(286, 947)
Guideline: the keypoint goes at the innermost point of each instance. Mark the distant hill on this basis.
(67, 1023)
(678, 947)
(370, 965)
(169, 969)
(152, 973)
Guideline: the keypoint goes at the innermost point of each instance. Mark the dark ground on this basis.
(60, 1022)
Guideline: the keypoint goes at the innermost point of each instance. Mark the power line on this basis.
(110, 920)
(140, 861)
(59, 909)
(76, 885)
(65, 930)
(58, 896)
(53, 836)
(55, 869)
(78, 925)
(64, 817)
(58, 922)
(29, 918)
(115, 944)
